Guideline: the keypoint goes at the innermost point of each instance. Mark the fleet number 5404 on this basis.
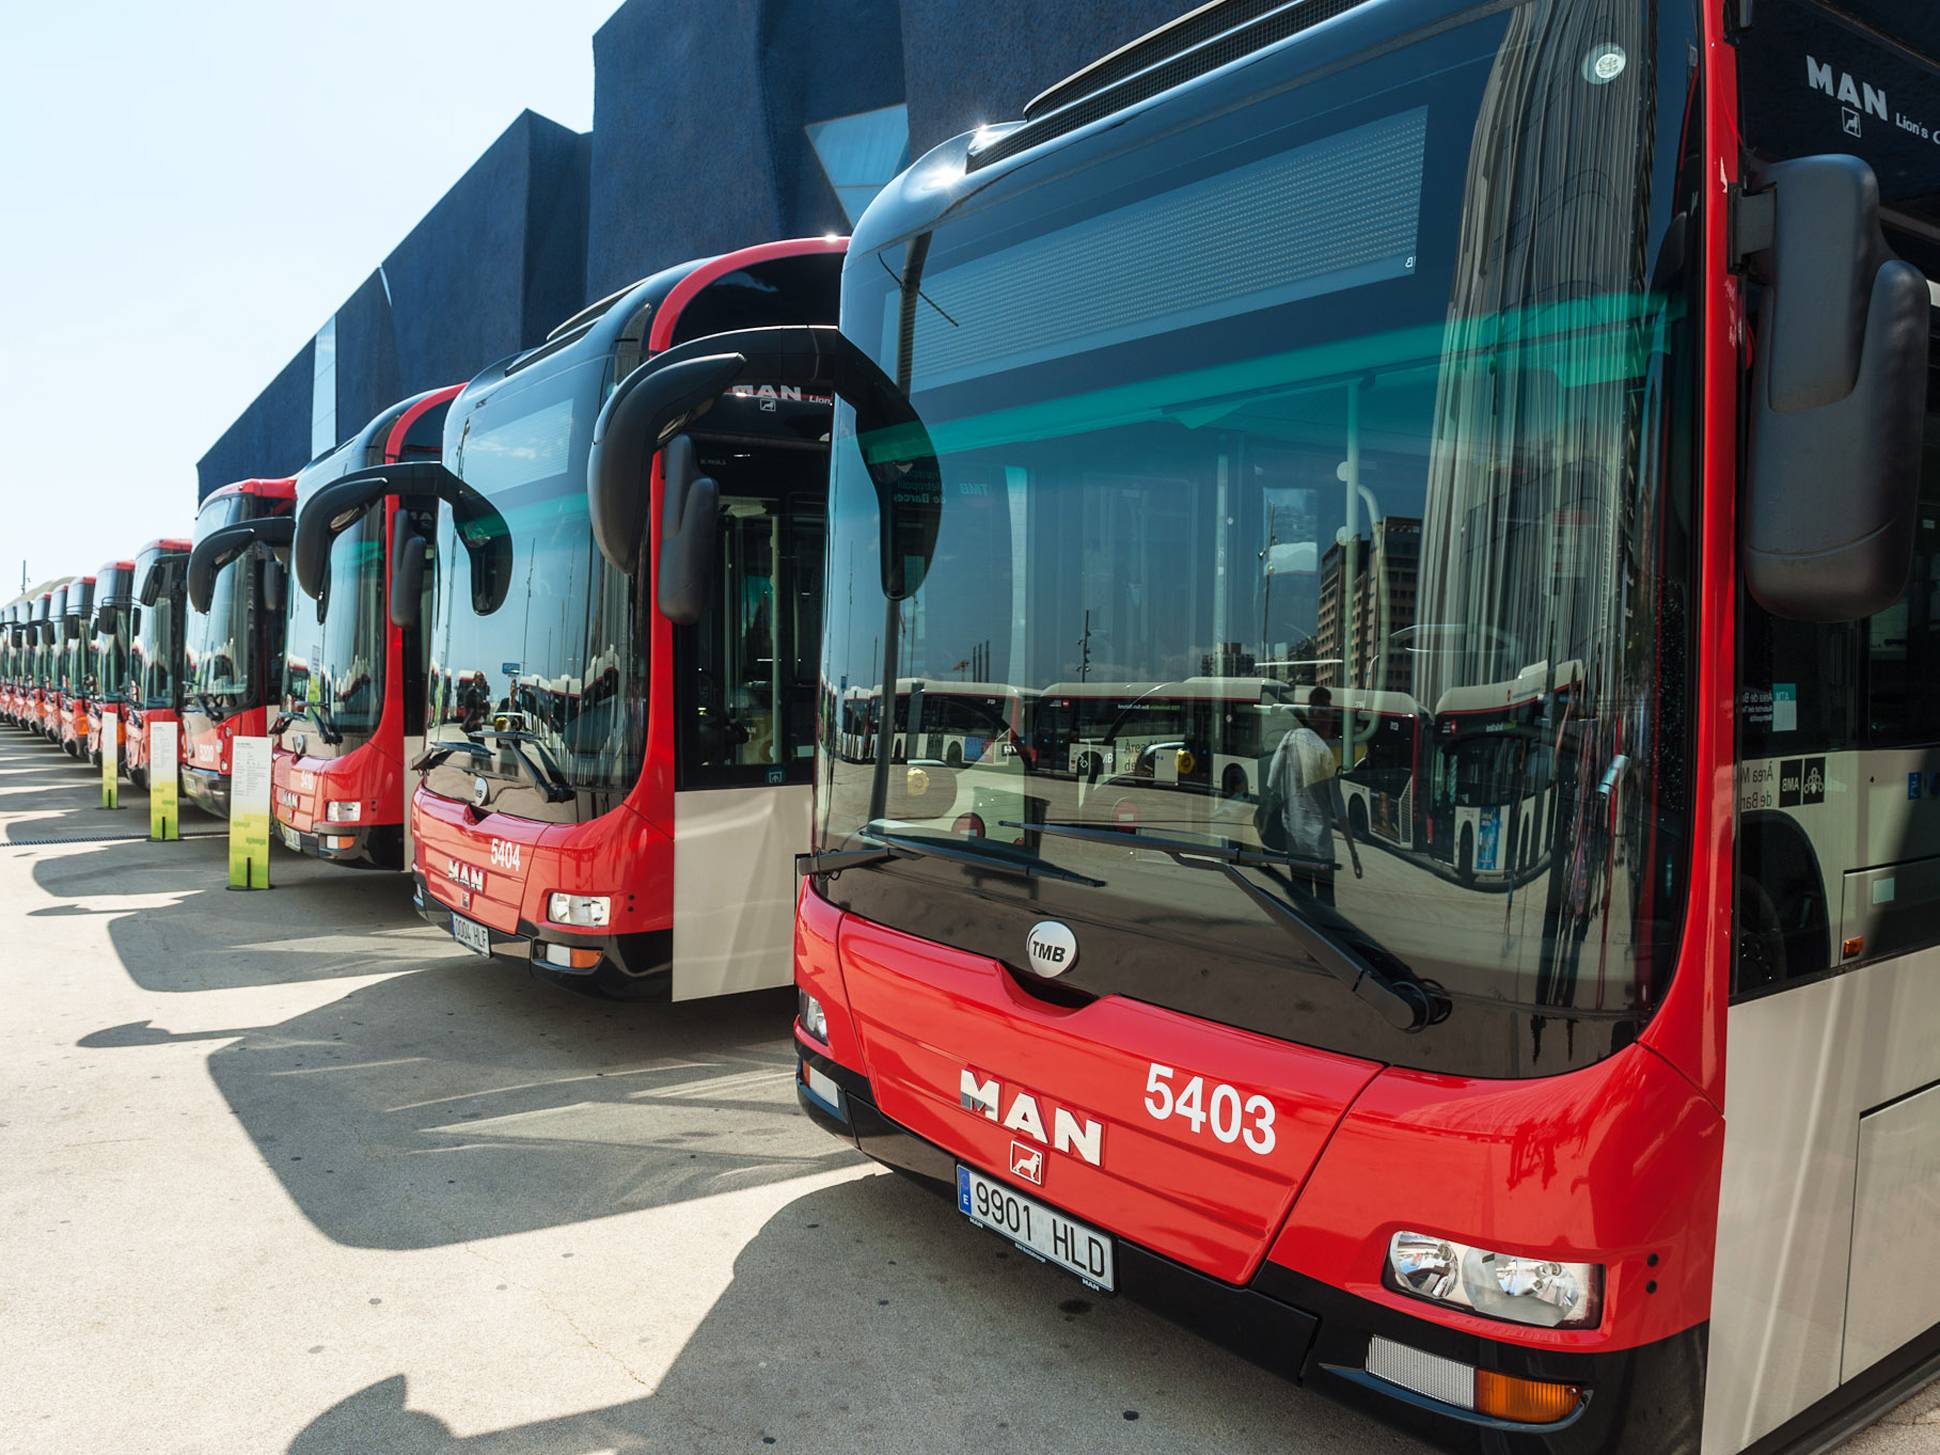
(1232, 1115)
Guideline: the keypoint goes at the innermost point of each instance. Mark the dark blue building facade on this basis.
(715, 125)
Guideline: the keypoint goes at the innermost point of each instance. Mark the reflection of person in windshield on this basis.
(1302, 807)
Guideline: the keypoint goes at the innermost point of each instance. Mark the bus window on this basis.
(1838, 793)
(747, 670)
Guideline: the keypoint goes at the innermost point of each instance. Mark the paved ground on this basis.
(286, 1171)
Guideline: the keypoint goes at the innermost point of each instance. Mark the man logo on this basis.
(1027, 1163)
(469, 876)
(1052, 949)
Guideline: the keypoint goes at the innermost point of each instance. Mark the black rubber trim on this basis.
(1858, 1402)
(1222, 48)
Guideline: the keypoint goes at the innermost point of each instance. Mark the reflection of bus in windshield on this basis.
(955, 722)
(1493, 790)
(233, 637)
(108, 634)
(1302, 274)
(622, 676)
(155, 648)
(351, 712)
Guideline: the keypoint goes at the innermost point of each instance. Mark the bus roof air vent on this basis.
(1200, 41)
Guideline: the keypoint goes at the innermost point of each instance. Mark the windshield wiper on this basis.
(432, 756)
(326, 723)
(1405, 1004)
(886, 846)
(556, 790)
(545, 770)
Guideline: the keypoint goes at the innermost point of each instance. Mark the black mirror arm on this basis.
(669, 392)
(334, 508)
(220, 547)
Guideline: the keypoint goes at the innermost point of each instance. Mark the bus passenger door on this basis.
(744, 702)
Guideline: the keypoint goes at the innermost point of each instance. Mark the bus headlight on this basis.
(337, 811)
(593, 910)
(814, 1019)
(1523, 1290)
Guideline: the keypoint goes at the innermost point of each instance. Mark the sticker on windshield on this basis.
(1785, 707)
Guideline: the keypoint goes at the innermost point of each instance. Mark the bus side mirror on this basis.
(1838, 396)
(276, 586)
(690, 525)
(105, 619)
(407, 570)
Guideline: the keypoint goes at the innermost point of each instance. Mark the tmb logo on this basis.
(1018, 1111)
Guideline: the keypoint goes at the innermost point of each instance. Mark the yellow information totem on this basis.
(110, 759)
(164, 780)
(249, 813)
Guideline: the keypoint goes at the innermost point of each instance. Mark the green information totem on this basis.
(249, 813)
(110, 760)
(164, 780)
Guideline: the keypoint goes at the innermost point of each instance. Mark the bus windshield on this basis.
(110, 664)
(218, 645)
(1313, 477)
(554, 675)
(333, 662)
(151, 654)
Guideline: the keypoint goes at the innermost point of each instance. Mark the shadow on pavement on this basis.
(318, 922)
(813, 1347)
(468, 1100)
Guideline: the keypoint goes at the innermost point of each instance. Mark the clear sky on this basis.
(188, 191)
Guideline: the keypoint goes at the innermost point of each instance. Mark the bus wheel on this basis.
(1465, 856)
(1232, 782)
(1357, 820)
(1761, 937)
(953, 755)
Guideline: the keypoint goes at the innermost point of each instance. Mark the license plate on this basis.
(292, 840)
(1045, 1234)
(472, 935)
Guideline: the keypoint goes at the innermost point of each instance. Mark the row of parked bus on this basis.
(1500, 434)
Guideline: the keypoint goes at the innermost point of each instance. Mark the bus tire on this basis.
(1232, 783)
(1357, 820)
(1465, 855)
(953, 755)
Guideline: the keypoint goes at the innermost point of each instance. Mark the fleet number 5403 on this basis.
(1232, 1115)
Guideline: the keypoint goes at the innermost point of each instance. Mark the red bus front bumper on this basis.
(1282, 1258)
(302, 788)
(500, 872)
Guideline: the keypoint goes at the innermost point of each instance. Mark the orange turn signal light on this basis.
(1852, 947)
(1526, 1401)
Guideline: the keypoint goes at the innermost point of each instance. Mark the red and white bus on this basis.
(352, 712)
(16, 663)
(621, 700)
(74, 639)
(43, 626)
(1625, 305)
(233, 639)
(156, 629)
(109, 632)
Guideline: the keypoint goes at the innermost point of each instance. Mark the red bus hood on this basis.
(926, 1014)
(301, 785)
(477, 867)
